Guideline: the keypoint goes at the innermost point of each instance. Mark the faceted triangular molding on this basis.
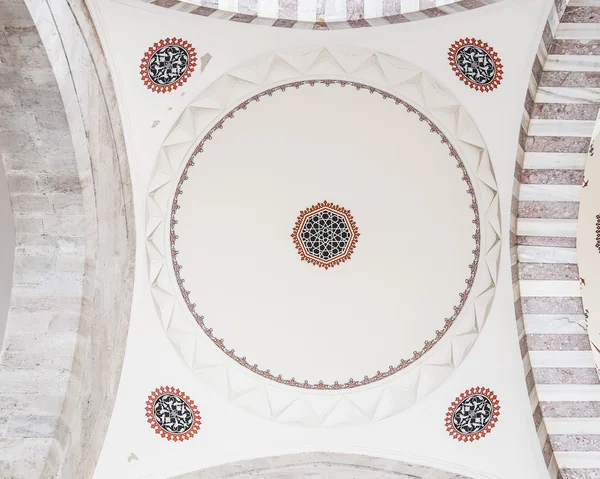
(266, 398)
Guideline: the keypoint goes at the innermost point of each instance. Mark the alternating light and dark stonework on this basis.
(324, 14)
(560, 111)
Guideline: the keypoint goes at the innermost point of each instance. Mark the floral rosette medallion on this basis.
(172, 414)
(473, 414)
(325, 235)
(476, 64)
(168, 64)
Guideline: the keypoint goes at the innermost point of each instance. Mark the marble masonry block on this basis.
(45, 303)
(49, 245)
(565, 376)
(51, 120)
(548, 271)
(64, 225)
(565, 111)
(568, 473)
(16, 120)
(31, 426)
(10, 77)
(575, 47)
(31, 203)
(22, 36)
(38, 343)
(38, 76)
(552, 305)
(548, 209)
(27, 322)
(32, 382)
(568, 79)
(38, 99)
(575, 442)
(27, 159)
(558, 342)
(27, 265)
(547, 451)
(564, 241)
(31, 454)
(579, 409)
(27, 225)
(552, 177)
(21, 182)
(58, 182)
(581, 14)
(564, 144)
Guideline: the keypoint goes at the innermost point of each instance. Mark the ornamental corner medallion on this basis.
(168, 64)
(476, 64)
(172, 414)
(473, 414)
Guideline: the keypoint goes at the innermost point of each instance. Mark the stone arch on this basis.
(322, 465)
(64, 154)
(554, 138)
(324, 14)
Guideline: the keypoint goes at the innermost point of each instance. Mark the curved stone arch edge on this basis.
(94, 119)
(405, 466)
(267, 398)
(286, 22)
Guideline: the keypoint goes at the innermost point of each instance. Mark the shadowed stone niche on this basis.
(321, 465)
(69, 188)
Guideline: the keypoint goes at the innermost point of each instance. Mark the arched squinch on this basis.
(73, 281)
(554, 138)
(326, 15)
(327, 465)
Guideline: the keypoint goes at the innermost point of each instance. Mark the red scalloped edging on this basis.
(158, 392)
(457, 402)
(456, 46)
(191, 51)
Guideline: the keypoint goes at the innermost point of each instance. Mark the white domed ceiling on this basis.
(334, 235)
(389, 235)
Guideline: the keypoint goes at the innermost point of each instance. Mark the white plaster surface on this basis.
(229, 434)
(242, 199)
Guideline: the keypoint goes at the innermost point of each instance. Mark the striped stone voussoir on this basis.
(326, 14)
(561, 109)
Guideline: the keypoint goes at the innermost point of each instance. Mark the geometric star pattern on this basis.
(325, 235)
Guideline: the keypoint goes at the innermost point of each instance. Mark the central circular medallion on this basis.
(325, 235)
(404, 281)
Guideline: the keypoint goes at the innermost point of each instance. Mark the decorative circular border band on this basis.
(476, 435)
(351, 382)
(598, 233)
(250, 391)
(158, 428)
(466, 42)
(178, 42)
